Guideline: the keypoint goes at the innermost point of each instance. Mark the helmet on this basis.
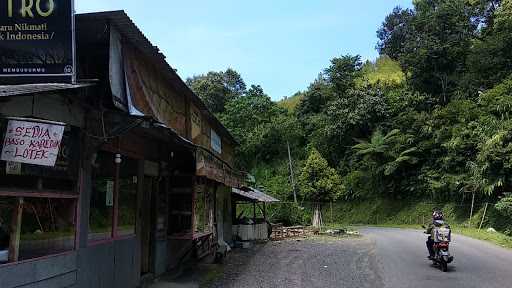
(437, 215)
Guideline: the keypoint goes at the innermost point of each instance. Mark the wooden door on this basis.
(147, 223)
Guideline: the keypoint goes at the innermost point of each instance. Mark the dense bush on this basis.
(503, 216)
(289, 214)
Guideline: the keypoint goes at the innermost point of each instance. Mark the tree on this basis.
(334, 107)
(431, 43)
(343, 72)
(319, 183)
(216, 89)
(261, 126)
(394, 32)
(490, 59)
(385, 157)
(319, 93)
(352, 115)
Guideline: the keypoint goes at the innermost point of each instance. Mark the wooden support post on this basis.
(254, 212)
(139, 224)
(115, 210)
(472, 206)
(483, 217)
(193, 216)
(265, 210)
(233, 211)
(14, 244)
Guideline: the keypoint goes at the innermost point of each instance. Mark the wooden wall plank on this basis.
(25, 273)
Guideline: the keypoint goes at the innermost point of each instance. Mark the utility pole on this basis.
(291, 173)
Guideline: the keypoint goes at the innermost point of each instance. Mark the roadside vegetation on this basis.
(429, 121)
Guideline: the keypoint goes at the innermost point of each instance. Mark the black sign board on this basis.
(36, 41)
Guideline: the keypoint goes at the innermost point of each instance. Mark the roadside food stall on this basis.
(251, 229)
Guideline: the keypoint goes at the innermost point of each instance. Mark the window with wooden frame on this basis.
(34, 227)
(38, 204)
(113, 206)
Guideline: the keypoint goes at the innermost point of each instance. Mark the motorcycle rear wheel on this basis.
(444, 266)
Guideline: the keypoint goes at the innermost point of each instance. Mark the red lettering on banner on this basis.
(18, 130)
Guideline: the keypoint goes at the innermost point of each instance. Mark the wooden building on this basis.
(142, 180)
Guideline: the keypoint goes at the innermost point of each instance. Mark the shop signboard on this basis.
(36, 41)
(32, 142)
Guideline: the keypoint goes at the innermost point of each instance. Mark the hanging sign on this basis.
(109, 196)
(36, 40)
(32, 142)
(216, 142)
(12, 168)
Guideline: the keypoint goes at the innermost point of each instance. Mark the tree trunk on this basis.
(317, 216)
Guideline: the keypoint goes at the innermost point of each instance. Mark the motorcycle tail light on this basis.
(443, 245)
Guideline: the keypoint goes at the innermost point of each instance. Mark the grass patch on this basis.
(496, 238)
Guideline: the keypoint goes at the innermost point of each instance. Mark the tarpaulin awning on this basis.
(254, 195)
(27, 89)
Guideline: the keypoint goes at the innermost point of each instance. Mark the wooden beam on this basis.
(194, 195)
(14, 244)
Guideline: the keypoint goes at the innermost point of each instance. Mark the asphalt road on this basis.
(383, 257)
(401, 260)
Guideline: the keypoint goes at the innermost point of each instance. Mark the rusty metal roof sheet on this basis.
(28, 89)
(253, 194)
(130, 31)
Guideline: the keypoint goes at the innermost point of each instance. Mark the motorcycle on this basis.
(442, 238)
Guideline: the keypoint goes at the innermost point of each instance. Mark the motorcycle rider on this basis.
(437, 220)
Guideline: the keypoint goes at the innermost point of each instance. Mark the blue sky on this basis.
(281, 45)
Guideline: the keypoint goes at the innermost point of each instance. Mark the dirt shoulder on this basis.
(313, 262)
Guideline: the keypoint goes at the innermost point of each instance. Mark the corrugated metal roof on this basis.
(130, 31)
(27, 89)
(254, 195)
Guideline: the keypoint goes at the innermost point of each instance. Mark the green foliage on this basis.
(392, 212)
(431, 43)
(319, 182)
(289, 214)
(343, 72)
(385, 157)
(217, 88)
(383, 71)
(490, 57)
(291, 103)
(275, 178)
(428, 120)
(504, 206)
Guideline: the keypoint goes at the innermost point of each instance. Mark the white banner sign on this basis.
(32, 142)
(216, 142)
